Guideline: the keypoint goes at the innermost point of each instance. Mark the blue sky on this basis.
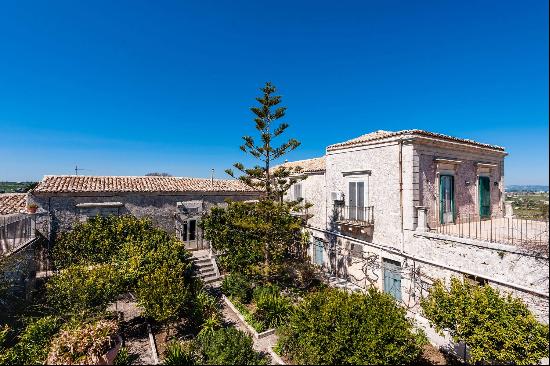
(126, 88)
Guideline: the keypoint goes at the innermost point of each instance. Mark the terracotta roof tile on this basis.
(308, 166)
(82, 183)
(378, 135)
(11, 203)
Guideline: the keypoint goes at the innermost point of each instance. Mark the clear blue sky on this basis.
(126, 88)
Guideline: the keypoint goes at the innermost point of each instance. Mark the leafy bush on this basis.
(497, 329)
(79, 289)
(332, 326)
(115, 254)
(228, 346)
(237, 286)
(84, 344)
(178, 353)
(98, 239)
(32, 344)
(165, 293)
(272, 309)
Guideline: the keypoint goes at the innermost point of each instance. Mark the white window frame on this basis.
(359, 179)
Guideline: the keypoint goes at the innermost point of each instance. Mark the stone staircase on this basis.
(206, 268)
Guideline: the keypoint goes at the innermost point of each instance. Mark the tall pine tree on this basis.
(274, 182)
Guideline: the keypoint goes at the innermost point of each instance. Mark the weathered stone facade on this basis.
(160, 208)
(401, 174)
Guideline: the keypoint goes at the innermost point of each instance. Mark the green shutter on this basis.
(484, 197)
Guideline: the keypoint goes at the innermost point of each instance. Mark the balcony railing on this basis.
(15, 232)
(353, 215)
(505, 230)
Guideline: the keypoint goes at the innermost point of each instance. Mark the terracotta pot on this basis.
(109, 357)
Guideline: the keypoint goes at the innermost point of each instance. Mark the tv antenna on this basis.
(77, 169)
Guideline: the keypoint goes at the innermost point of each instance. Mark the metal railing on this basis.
(357, 215)
(15, 232)
(505, 230)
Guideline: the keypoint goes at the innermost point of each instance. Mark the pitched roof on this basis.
(11, 203)
(308, 165)
(82, 183)
(378, 135)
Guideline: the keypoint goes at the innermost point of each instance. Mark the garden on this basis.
(73, 316)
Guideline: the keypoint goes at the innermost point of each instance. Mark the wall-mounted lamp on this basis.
(467, 182)
(495, 183)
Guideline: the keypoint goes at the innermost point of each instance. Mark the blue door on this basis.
(318, 251)
(392, 278)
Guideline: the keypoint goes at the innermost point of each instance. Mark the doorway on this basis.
(446, 199)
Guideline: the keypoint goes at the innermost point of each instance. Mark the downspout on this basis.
(401, 192)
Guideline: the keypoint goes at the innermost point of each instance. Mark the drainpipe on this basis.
(401, 192)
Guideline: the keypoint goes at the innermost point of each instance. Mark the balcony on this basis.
(355, 216)
(531, 234)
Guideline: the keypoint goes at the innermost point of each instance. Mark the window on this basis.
(446, 199)
(298, 191)
(356, 200)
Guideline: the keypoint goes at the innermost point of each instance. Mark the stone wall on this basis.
(160, 208)
(429, 258)
(382, 160)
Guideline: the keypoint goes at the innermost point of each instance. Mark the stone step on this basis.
(202, 260)
(206, 272)
(210, 279)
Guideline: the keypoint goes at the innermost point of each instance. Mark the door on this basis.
(356, 202)
(392, 278)
(446, 199)
(484, 197)
(318, 251)
(191, 234)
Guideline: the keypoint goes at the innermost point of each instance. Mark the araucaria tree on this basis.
(274, 182)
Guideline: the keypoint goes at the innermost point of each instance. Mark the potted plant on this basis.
(32, 207)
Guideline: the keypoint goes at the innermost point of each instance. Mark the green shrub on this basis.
(332, 326)
(81, 290)
(98, 239)
(33, 343)
(497, 329)
(208, 312)
(238, 286)
(272, 309)
(167, 291)
(178, 353)
(228, 346)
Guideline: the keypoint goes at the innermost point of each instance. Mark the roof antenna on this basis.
(212, 177)
(76, 169)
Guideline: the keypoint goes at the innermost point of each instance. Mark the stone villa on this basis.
(398, 210)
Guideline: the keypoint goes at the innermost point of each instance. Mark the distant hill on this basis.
(526, 188)
(14, 187)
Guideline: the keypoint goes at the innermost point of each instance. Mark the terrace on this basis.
(528, 233)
